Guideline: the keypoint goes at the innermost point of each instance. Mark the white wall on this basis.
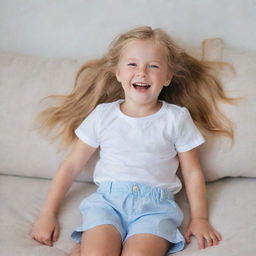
(84, 28)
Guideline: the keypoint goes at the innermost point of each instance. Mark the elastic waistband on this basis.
(157, 193)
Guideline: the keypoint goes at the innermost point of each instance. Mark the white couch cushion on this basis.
(24, 82)
(218, 157)
(232, 210)
(21, 201)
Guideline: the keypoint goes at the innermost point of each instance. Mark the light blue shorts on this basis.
(133, 209)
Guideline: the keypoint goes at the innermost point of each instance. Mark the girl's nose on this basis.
(141, 71)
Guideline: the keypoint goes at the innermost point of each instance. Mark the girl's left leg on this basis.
(76, 250)
(145, 244)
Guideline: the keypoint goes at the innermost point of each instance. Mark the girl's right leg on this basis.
(103, 240)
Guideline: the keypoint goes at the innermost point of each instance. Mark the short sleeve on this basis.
(87, 131)
(188, 135)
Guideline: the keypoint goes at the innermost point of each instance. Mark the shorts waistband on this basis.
(157, 193)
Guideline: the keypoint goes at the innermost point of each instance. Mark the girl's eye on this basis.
(131, 64)
(153, 66)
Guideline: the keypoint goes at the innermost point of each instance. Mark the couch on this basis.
(28, 161)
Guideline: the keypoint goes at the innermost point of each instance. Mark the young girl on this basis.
(136, 104)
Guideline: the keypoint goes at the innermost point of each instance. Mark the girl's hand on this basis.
(204, 233)
(46, 229)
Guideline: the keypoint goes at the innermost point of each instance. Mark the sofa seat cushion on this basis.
(21, 200)
(232, 209)
(232, 212)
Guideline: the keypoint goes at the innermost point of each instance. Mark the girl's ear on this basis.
(169, 79)
(117, 72)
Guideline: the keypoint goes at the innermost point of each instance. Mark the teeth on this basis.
(139, 84)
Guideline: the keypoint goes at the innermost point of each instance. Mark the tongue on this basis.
(141, 88)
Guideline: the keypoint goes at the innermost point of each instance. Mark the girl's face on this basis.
(142, 71)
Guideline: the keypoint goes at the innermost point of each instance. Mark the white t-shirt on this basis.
(143, 149)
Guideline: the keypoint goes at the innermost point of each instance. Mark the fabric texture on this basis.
(228, 199)
(143, 148)
(24, 82)
(133, 208)
(219, 157)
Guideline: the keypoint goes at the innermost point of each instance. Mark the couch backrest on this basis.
(25, 80)
(219, 158)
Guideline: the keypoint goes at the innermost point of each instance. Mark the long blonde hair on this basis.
(193, 86)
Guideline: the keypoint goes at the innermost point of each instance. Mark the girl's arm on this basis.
(46, 228)
(196, 192)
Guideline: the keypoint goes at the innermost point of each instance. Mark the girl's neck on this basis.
(133, 110)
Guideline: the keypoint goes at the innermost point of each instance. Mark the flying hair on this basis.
(194, 85)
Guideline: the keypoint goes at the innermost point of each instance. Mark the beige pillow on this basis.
(24, 81)
(220, 159)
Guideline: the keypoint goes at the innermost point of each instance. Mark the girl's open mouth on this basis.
(141, 87)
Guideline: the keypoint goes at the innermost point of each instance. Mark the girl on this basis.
(135, 104)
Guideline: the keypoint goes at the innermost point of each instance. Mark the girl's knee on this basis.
(102, 240)
(98, 252)
(145, 244)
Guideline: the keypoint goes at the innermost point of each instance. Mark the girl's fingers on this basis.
(209, 241)
(200, 242)
(205, 238)
(187, 237)
(56, 233)
(48, 242)
(43, 239)
(46, 239)
(218, 235)
(215, 240)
